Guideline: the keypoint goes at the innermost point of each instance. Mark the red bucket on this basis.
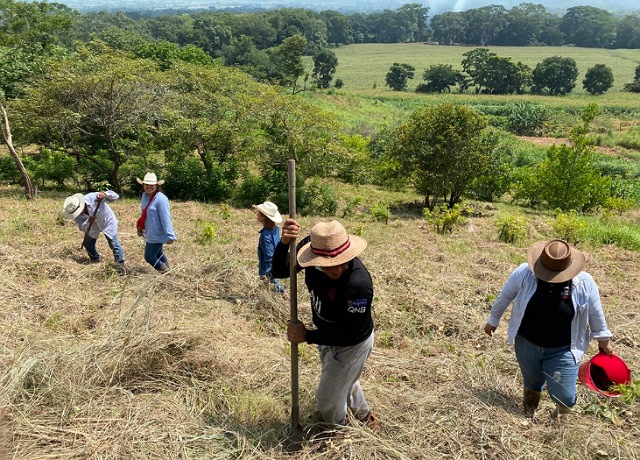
(602, 371)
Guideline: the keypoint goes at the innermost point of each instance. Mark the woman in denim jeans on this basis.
(269, 217)
(556, 312)
(158, 227)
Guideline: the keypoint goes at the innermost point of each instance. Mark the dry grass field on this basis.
(194, 364)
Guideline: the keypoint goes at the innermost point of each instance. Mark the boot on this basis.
(530, 401)
(561, 413)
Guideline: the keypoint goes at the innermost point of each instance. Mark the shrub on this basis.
(316, 198)
(53, 165)
(598, 79)
(339, 83)
(188, 179)
(444, 219)
(511, 229)
(380, 212)
(208, 232)
(527, 119)
(569, 227)
(252, 190)
(351, 205)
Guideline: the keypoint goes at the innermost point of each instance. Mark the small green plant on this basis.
(569, 227)
(380, 212)
(103, 186)
(511, 229)
(629, 392)
(444, 219)
(208, 233)
(225, 211)
(350, 208)
(358, 230)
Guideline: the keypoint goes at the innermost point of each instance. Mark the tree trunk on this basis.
(29, 189)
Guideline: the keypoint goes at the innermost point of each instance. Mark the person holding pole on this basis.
(341, 292)
(93, 215)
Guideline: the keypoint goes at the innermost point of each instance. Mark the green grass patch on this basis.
(602, 232)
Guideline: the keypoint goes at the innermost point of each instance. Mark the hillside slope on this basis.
(195, 363)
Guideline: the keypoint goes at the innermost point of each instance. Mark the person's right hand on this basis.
(140, 232)
(290, 230)
(489, 329)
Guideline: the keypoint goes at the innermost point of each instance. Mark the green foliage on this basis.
(9, 171)
(355, 165)
(527, 119)
(287, 60)
(351, 206)
(441, 150)
(53, 165)
(339, 83)
(439, 78)
(187, 179)
(380, 211)
(567, 179)
(555, 75)
(398, 75)
(316, 198)
(607, 231)
(497, 169)
(598, 79)
(325, 63)
(629, 392)
(252, 189)
(511, 229)
(444, 219)
(569, 227)
(208, 232)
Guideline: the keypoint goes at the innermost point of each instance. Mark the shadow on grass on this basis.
(497, 398)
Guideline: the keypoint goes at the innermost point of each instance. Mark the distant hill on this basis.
(345, 6)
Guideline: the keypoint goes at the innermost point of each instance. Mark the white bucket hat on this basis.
(73, 206)
(150, 179)
(270, 210)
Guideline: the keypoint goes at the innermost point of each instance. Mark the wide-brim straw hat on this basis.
(330, 245)
(270, 210)
(150, 179)
(555, 261)
(73, 206)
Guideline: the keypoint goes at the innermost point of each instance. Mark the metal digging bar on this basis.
(295, 435)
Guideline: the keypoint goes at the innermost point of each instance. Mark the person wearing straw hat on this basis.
(269, 217)
(155, 222)
(556, 312)
(341, 292)
(93, 215)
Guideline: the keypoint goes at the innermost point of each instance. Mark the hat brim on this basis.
(141, 182)
(276, 218)
(306, 257)
(77, 212)
(550, 276)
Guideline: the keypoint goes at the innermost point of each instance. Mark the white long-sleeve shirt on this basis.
(588, 321)
(106, 221)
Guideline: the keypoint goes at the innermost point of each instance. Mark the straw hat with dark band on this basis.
(555, 261)
(330, 245)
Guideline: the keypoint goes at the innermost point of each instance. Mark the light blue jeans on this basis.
(154, 255)
(114, 244)
(554, 366)
(339, 386)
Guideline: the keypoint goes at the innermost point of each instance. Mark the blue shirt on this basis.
(267, 243)
(158, 227)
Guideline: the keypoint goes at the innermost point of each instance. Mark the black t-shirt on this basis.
(547, 319)
(341, 308)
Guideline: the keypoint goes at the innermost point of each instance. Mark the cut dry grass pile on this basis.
(195, 364)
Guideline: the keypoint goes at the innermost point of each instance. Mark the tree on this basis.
(414, 16)
(398, 75)
(29, 189)
(485, 24)
(502, 76)
(524, 25)
(628, 32)
(567, 179)
(441, 150)
(555, 75)
(634, 87)
(449, 28)
(598, 79)
(589, 27)
(99, 106)
(287, 60)
(475, 65)
(439, 78)
(325, 63)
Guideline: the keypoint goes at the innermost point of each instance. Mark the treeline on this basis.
(523, 25)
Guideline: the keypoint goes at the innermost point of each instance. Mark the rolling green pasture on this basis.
(366, 104)
(364, 65)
